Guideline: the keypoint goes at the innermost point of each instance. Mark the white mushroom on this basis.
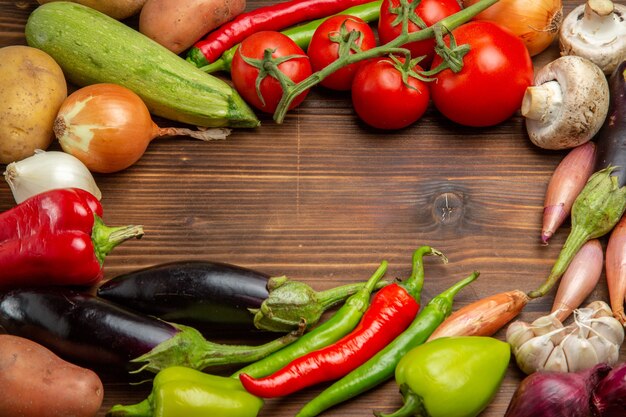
(596, 30)
(567, 104)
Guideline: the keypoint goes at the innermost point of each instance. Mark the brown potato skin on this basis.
(34, 382)
(32, 89)
(178, 24)
(117, 9)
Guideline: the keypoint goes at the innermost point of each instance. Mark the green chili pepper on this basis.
(451, 376)
(341, 323)
(381, 366)
(300, 34)
(178, 391)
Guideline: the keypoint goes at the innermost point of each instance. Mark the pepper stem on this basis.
(576, 239)
(189, 348)
(105, 238)
(142, 409)
(415, 282)
(333, 296)
(413, 405)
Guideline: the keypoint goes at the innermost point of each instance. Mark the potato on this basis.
(117, 9)
(32, 88)
(178, 24)
(35, 382)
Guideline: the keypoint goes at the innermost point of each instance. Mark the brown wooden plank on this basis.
(323, 199)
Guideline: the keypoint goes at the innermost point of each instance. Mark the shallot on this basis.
(108, 127)
(567, 181)
(616, 269)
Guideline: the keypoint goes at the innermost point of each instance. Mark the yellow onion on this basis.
(108, 127)
(536, 22)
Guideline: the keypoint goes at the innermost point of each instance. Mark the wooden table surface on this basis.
(323, 198)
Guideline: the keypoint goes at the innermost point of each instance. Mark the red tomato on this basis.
(490, 87)
(382, 100)
(323, 50)
(244, 75)
(430, 11)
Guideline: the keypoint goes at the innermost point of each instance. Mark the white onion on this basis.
(47, 171)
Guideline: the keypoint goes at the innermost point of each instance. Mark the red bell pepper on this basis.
(57, 238)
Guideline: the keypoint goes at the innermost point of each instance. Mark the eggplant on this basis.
(611, 139)
(220, 293)
(82, 327)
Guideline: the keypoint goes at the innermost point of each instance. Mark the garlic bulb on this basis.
(47, 171)
(546, 345)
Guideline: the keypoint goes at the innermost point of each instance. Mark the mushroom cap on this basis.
(585, 104)
(606, 50)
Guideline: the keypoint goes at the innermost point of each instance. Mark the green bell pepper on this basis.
(178, 391)
(451, 376)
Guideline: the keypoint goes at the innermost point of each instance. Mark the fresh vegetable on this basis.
(390, 313)
(453, 55)
(86, 328)
(108, 127)
(483, 317)
(57, 238)
(421, 14)
(451, 377)
(596, 30)
(616, 269)
(263, 63)
(35, 382)
(546, 345)
(213, 292)
(381, 366)
(45, 171)
(536, 22)
(567, 104)
(300, 34)
(93, 48)
(331, 330)
(567, 181)
(579, 280)
(550, 394)
(117, 9)
(609, 396)
(177, 24)
(32, 88)
(490, 86)
(178, 391)
(595, 212)
(389, 93)
(341, 34)
(610, 138)
(267, 18)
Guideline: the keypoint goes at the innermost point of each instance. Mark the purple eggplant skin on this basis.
(611, 139)
(556, 394)
(195, 291)
(609, 398)
(81, 326)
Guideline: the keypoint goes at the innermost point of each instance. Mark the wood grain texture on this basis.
(323, 198)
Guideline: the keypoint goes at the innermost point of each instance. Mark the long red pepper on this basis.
(390, 313)
(273, 17)
(57, 238)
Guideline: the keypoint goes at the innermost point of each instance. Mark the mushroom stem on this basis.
(599, 23)
(542, 102)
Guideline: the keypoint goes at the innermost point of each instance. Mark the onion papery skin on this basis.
(536, 22)
(106, 126)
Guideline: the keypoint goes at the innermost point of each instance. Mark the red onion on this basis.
(609, 398)
(556, 394)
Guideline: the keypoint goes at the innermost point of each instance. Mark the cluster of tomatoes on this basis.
(387, 94)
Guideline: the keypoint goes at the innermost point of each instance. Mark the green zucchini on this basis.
(93, 48)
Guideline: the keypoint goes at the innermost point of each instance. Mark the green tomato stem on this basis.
(449, 23)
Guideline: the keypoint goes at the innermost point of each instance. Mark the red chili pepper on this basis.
(390, 313)
(273, 17)
(57, 238)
